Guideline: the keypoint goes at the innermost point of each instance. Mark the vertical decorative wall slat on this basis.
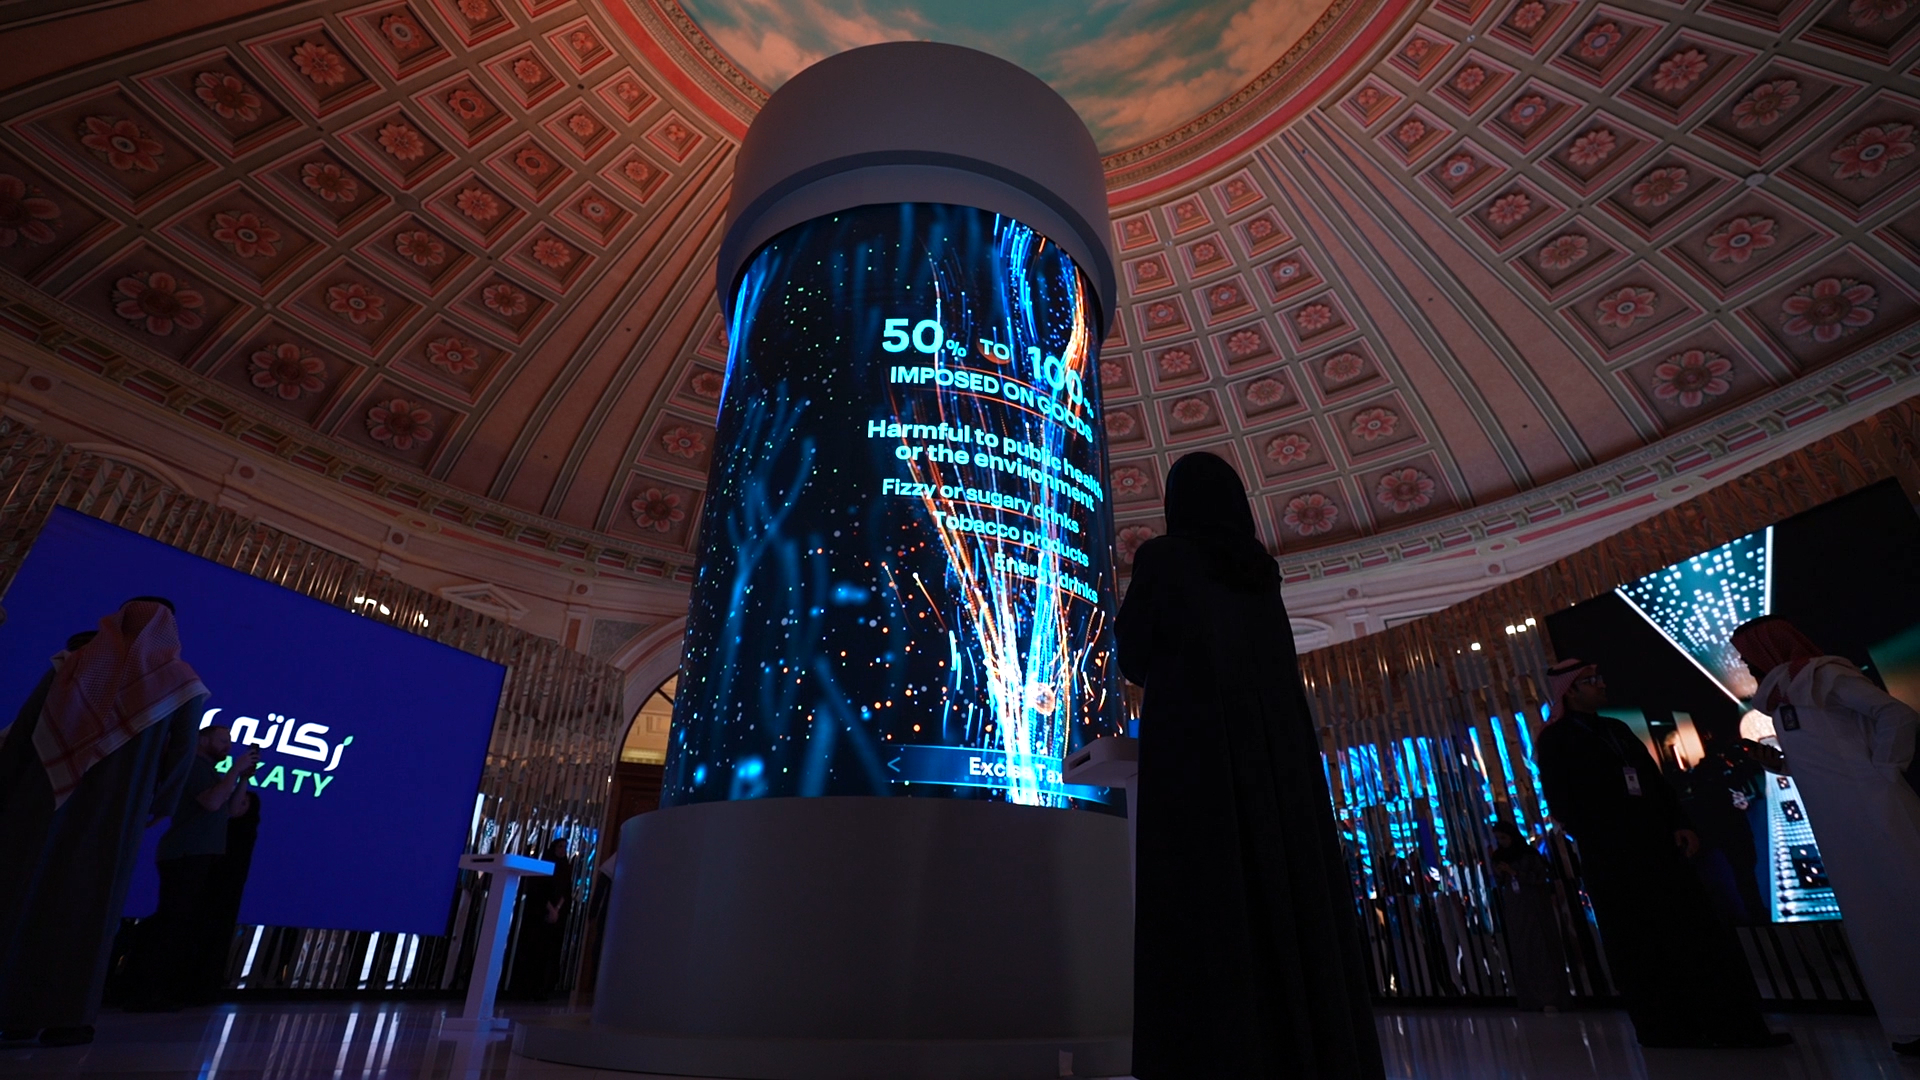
(549, 761)
(1424, 684)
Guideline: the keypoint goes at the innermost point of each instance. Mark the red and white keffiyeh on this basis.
(129, 677)
(1770, 642)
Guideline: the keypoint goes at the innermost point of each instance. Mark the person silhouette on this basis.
(1247, 958)
(103, 747)
(1683, 977)
(1536, 962)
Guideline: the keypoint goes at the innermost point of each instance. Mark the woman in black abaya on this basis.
(540, 955)
(1247, 958)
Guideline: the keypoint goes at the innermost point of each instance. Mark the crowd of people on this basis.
(1666, 905)
(1850, 745)
(1677, 964)
(1247, 952)
(103, 746)
(107, 744)
(1247, 958)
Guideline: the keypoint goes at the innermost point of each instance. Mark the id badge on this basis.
(1633, 779)
(1789, 718)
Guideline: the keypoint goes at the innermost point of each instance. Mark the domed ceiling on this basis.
(1438, 277)
(1133, 70)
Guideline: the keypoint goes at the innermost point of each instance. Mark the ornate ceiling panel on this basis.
(426, 248)
(1437, 272)
(1529, 242)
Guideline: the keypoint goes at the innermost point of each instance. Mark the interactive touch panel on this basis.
(906, 577)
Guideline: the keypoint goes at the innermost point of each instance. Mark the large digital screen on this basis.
(906, 577)
(1845, 574)
(371, 739)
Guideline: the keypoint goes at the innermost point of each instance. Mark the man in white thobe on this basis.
(1848, 743)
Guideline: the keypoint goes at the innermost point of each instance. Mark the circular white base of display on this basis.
(573, 1040)
(844, 938)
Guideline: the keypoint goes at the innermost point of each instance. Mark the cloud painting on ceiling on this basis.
(1134, 69)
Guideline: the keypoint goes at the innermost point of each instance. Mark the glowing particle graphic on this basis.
(905, 583)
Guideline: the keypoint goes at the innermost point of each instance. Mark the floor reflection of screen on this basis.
(1846, 575)
(371, 738)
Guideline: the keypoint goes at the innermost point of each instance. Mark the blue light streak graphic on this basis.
(1533, 768)
(1480, 766)
(905, 581)
(1507, 772)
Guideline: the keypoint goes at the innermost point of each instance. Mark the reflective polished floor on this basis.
(369, 1041)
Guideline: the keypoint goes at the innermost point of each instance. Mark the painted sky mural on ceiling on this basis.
(1134, 68)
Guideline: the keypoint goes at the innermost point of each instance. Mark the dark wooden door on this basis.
(636, 790)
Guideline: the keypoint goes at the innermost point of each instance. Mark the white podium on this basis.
(1110, 762)
(507, 870)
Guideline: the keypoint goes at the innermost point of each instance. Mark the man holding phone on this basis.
(188, 851)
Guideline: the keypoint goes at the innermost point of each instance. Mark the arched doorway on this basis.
(646, 742)
(643, 755)
(636, 789)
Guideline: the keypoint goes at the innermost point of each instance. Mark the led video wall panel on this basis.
(371, 738)
(906, 580)
(1697, 603)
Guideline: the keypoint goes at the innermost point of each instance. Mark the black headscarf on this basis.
(1514, 851)
(1207, 504)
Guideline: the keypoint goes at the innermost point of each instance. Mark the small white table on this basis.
(507, 870)
(1110, 762)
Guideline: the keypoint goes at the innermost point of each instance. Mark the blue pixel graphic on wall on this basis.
(1697, 602)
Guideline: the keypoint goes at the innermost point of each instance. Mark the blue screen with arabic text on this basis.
(371, 738)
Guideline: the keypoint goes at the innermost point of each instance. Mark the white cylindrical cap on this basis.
(918, 121)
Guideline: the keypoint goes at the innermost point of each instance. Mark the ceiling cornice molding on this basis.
(1686, 463)
(668, 37)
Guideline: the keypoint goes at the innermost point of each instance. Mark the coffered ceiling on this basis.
(1426, 271)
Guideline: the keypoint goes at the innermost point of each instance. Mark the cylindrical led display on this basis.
(906, 575)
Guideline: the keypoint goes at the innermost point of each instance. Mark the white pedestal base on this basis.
(855, 938)
(574, 1040)
(1113, 762)
(507, 870)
